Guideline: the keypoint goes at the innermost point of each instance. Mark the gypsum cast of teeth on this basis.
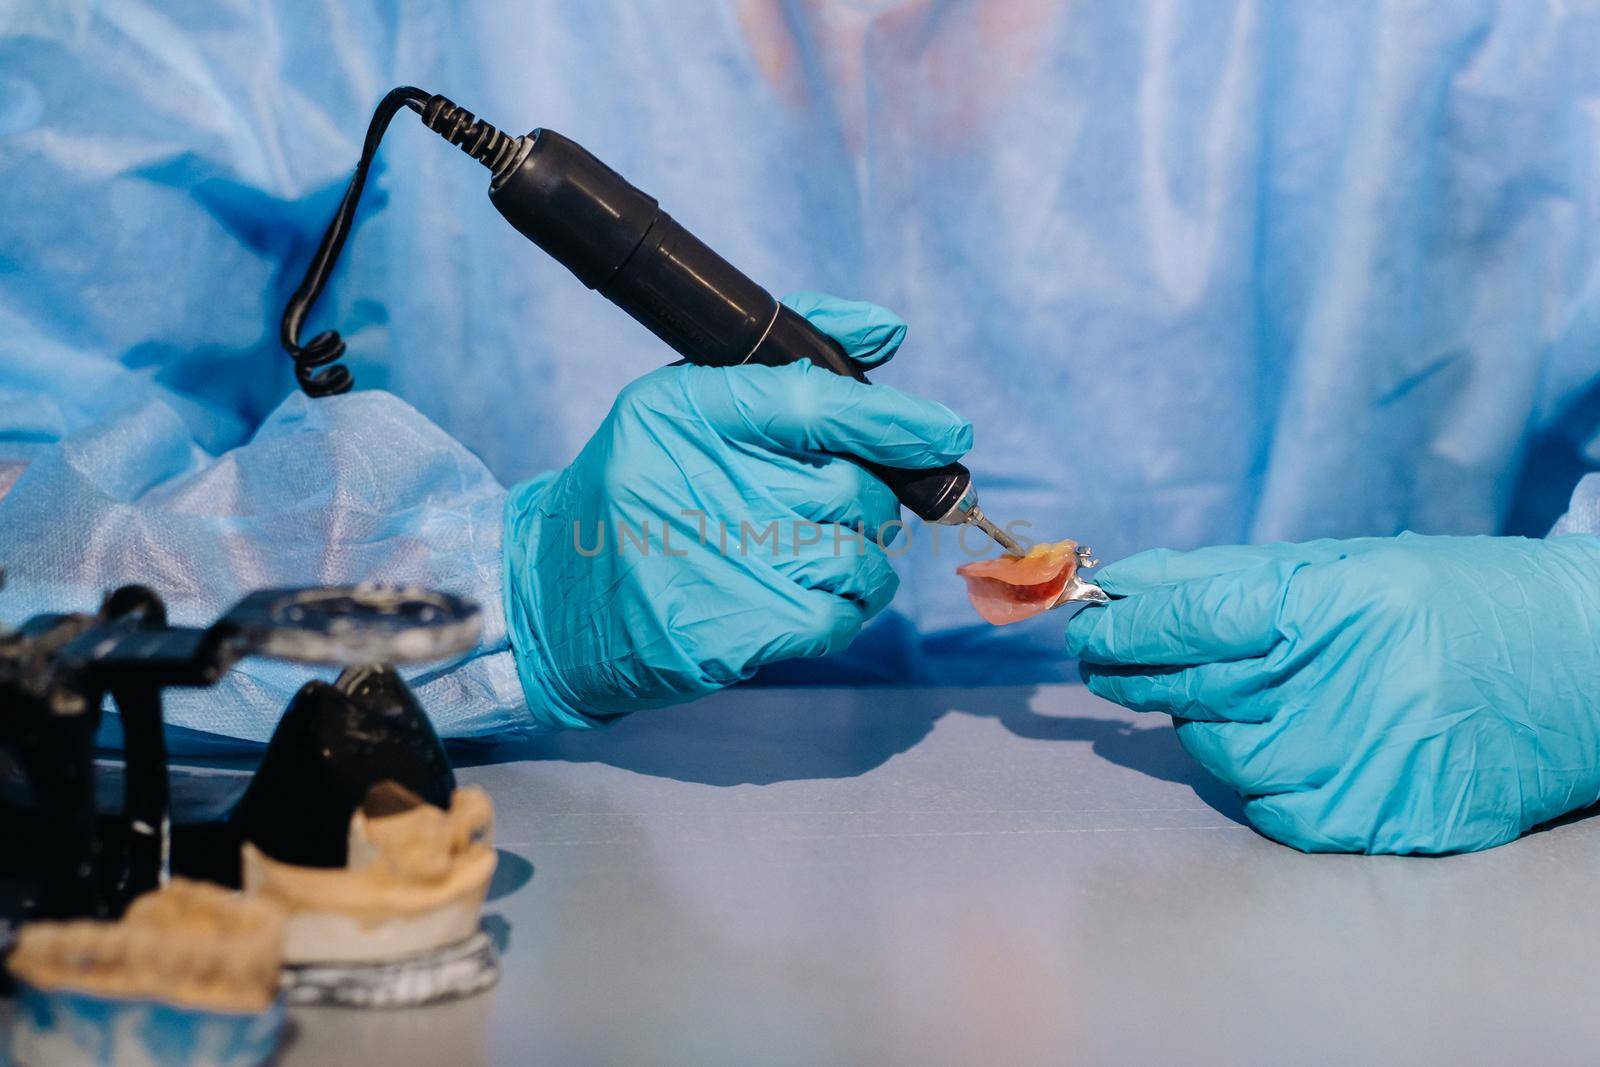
(416, 881)
(188, 944)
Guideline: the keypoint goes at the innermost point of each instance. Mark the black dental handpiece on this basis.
(618, 241)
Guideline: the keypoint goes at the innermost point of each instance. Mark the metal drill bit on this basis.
(977, 518)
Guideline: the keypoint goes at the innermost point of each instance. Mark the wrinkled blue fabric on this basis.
(345, 489)
(1198, 273)
(1583, 510)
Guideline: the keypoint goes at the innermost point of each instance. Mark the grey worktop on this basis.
(964, 876)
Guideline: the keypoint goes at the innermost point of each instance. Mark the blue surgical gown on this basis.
(1197, 271)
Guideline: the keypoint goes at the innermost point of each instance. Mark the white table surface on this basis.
(974, 876)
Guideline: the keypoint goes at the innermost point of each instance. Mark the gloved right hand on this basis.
(710, 526)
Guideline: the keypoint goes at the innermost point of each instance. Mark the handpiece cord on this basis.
(326, 347)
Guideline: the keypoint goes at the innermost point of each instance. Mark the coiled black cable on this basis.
(314, 362)
(477, 138)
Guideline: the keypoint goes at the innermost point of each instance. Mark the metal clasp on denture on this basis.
(1079, 591)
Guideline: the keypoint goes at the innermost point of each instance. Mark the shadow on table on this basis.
(1151, 749)
(757, 737)
(1568, 819)
(753, 737)
(511, 873)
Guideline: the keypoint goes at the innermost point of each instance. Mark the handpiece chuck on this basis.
(966, 512)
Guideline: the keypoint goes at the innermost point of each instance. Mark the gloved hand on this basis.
(1410, 694)
(729, 524)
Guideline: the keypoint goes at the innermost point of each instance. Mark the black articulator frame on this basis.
(334, 742)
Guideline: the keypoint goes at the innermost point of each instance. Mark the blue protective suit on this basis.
(1197, 273)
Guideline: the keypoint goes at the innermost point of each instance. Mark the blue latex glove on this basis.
(695, 458)
(1414, 694)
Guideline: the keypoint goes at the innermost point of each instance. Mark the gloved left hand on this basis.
(1410, 694)
(711, 526)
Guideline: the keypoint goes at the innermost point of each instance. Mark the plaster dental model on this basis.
(330, 748)
(188, 977)
(1013, 588)
(398, 924)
